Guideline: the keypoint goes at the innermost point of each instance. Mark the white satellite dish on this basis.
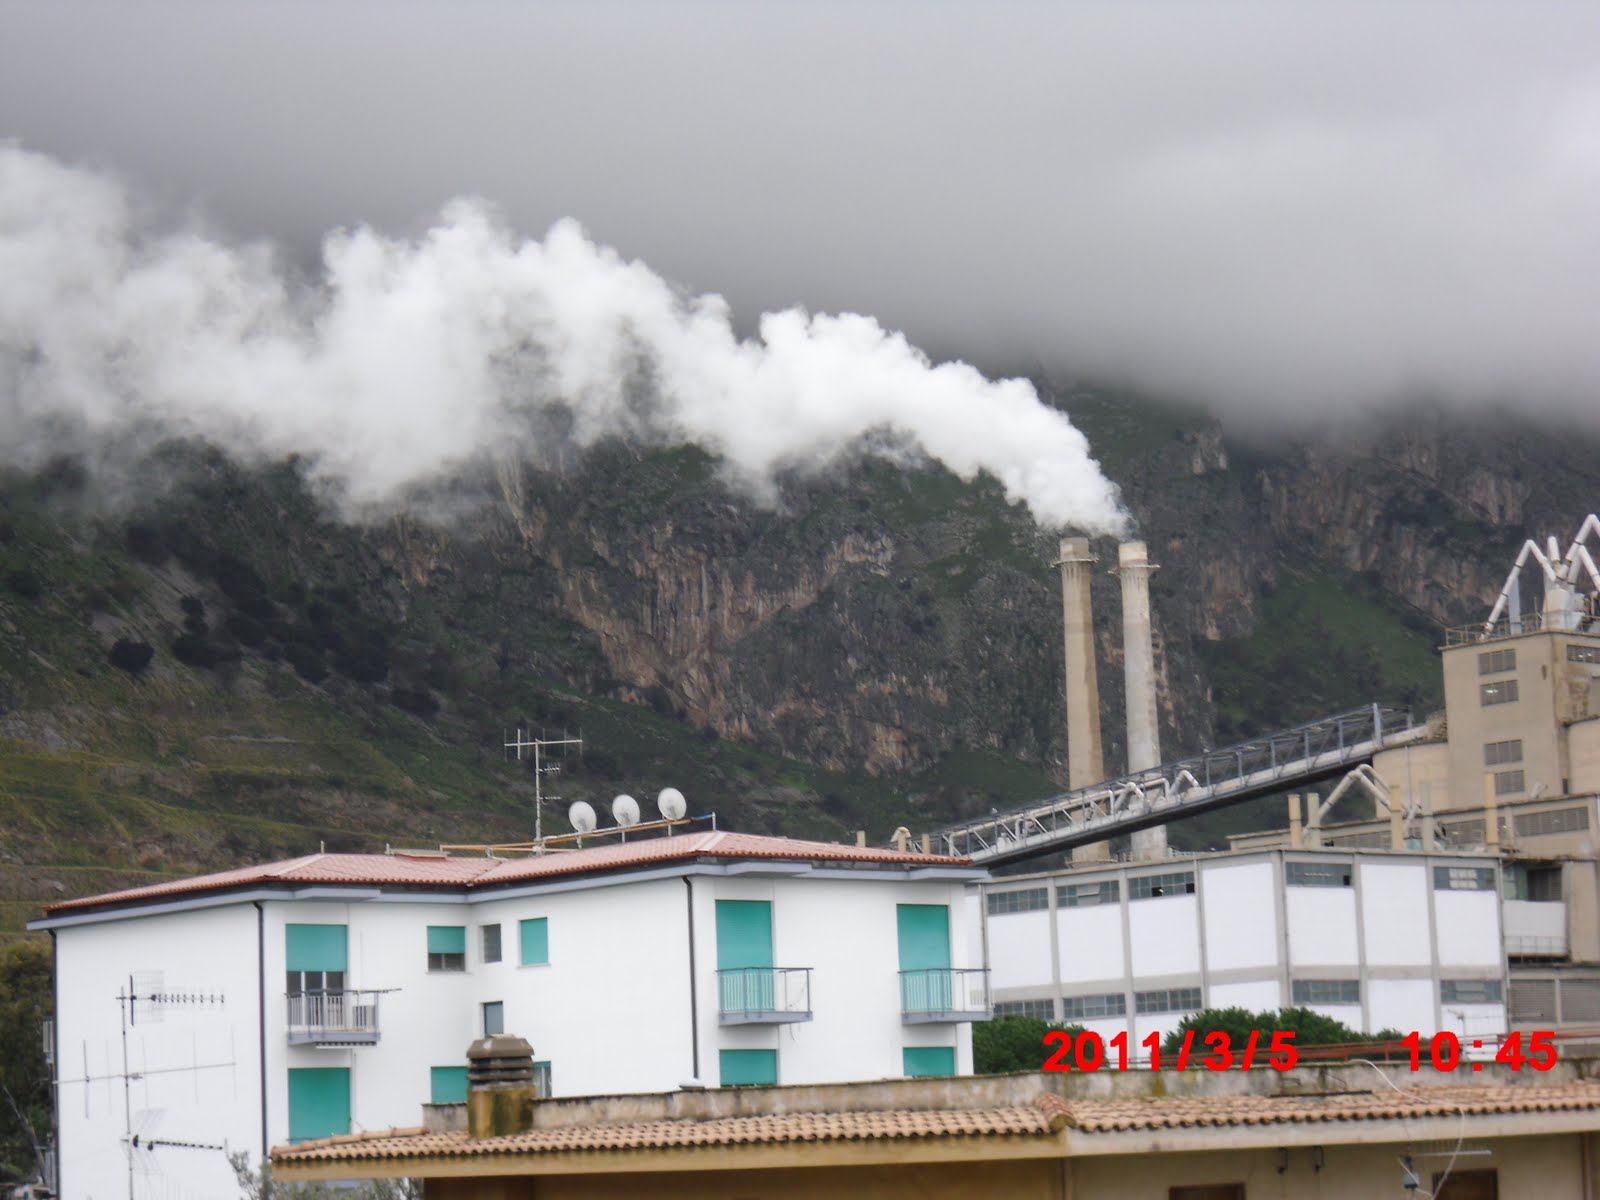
(581, 816)
(672, 804)
(625, 810)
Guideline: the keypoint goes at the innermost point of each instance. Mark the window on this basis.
(1533, 1000)
(748, 1068)
(1210, 1191)
(1463, 833)
(1497, 754)
(1082, 1008)
(448, 1085)
(1560, 820)
(1146, 887)
(1583, 654)
(1326, 991)
(1167, 1000)
(1306, 874)
(494, 1017)
(1470, 991)
(923, 1062)
(491, 943)
(1023, 900)
(1508, 783)
(1463, 879)
(1524, 882)
(316, 958)
(541, 1080)
(1496, 662)
(1082, 895)
(319, 1102)
(1044, 1010)
(447, 947)
(1503, 692)
(533, 937)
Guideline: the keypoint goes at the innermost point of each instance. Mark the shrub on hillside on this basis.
(306, 661)
(132, 657)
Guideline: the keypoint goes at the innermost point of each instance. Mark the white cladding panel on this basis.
(1345, 1014)
(1165, 934)
(1467, 928)
(1019, 949)
(1403, 1004)
(1090, 943)
(1394, 909)
(1322, 926)
(1241, 916)
(1256, 995)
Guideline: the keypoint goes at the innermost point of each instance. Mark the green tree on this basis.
(1008, 1044)
(25, 1114)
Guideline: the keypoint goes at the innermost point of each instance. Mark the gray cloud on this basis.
(1282, 209)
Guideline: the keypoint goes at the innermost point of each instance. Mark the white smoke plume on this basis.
(412, 357)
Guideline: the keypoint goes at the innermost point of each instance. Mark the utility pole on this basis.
(540, 770)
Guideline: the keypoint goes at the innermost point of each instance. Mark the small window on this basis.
(1503, 692)
(541, 1080)
(534, 938)
(1326, 991)
(1583, 654)
(1023, 900)
(1083, 895)
(448, 1085)
(1466, 1185)
(747, 1068)
(1082, 1008)
(1496, 662)
(1525, 882)
(494, 1018)
(1149, 887)
(1508, 783)
(927, 1062)
(491, 943)
(1044, 1010)
(1471, 991)
(1317, 874)
(1167, 1000)
(1463, 879)
(447, 947)
(1497, 754)
(1560, 820)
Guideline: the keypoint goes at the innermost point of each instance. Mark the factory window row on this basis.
(1497, 661)
(1308, 874)
(1497, 754)
(1463, 833)
(1471, 991)
(1583, 654)
(1083, 895)
(1560, 820)
(1508, 783)
(1463, 879)
(1325, 991)
(1044, 1010)
(1167, 1000)
(1503, 692)
(1534, 1001)
(1109, 1004)
(1023, 900)
(1147, 887)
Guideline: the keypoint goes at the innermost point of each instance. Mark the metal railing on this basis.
(1534, 945)
(763, 995)
(343, 1018)
(945, 994)
(1301, 754)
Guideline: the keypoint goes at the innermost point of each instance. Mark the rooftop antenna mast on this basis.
(540, 770)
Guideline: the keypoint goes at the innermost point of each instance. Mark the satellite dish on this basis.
(671, 804)
(625, 810)
(581, 816)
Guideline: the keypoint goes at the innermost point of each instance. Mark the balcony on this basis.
(333, 1018)
(944, 994)
(764, 995)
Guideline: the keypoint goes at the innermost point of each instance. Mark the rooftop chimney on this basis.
(1085, 760)
(500, 1089)
(1139, 673)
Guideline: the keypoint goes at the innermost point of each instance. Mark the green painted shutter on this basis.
(922, 1061)
(316, 947)
(744, 1068)
(925, 984)
(449, 1085)
(744, 955)
(319, 1102)
(447, 939)
(535, 935)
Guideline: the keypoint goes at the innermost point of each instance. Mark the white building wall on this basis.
(1394, 910)
(1241, 917)
(1463, 924)
(1257, 996)
(1090, 945)
(1019, 948)
(1407, 1005)
(1165, 935)
(1322, 926)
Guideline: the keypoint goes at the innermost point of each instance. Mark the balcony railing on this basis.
(945, 994)
(764, 995)
(333, 1018)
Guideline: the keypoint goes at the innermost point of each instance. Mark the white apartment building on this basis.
(336, 993)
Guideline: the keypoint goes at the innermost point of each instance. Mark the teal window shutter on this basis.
(316, 947)
(319, 1102)
(746, 1068)
(449, 1085)
(447, 939)
(923, 1061)
(535, 934)
(744, 934)
(924, 936)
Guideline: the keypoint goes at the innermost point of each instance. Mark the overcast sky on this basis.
(1279, 207)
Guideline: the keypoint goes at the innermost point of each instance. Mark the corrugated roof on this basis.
(430, 870)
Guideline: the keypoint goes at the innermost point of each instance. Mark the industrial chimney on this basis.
(1085, 760)
(1139, 673)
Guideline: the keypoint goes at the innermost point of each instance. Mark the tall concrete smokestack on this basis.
(1139, 673)
(1085, 759)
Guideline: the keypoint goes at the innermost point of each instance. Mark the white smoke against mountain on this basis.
(411, 358)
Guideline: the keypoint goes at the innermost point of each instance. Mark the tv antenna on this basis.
(540, 769)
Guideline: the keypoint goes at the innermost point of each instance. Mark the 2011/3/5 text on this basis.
(1215, 1051)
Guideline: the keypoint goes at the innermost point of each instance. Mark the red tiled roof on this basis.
(430, 870)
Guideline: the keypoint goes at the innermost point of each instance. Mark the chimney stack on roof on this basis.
(500, 1087)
